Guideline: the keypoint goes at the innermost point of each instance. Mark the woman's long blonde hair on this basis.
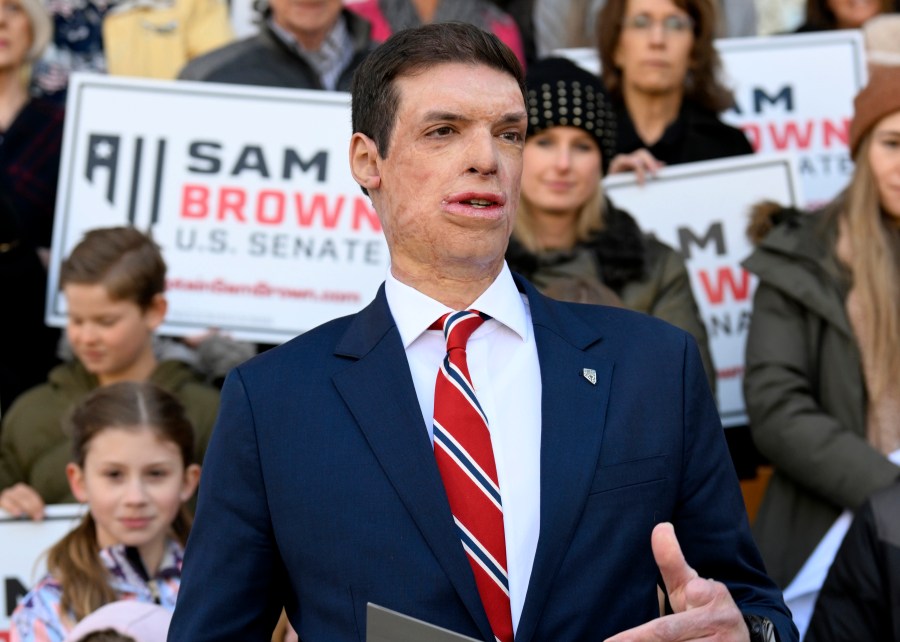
(875, 265)
(75, 560)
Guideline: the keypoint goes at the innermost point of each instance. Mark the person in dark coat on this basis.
(30, 142)
(659, 64)
(860, 599)
(318, 48)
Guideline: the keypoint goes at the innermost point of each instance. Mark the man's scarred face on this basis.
(448, 189)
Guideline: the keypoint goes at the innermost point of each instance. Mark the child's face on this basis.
(112, 338)
(134, 483)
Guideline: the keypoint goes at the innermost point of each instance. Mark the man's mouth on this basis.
(479, 202)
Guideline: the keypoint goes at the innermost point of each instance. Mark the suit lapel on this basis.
(573, 410)
(379, 391)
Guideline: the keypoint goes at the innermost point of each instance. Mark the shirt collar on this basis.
(331, 57)
(414, 311)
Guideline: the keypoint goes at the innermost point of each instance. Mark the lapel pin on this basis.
(591, 375)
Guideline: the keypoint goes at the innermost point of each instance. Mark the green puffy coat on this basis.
(34, 448)
(805, 392)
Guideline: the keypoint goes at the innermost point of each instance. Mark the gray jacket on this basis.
(265, 60)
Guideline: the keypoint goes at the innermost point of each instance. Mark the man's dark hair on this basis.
(414, 51)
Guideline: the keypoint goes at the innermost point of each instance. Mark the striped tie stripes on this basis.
(465, 459)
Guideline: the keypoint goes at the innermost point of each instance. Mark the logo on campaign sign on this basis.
(247, 190)
(102, 171)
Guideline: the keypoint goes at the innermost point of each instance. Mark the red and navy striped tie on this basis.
(465, 459)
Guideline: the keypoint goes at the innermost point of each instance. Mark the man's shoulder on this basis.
(230, 63)
(305, 353)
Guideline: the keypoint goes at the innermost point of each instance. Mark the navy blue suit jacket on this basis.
(320, 491)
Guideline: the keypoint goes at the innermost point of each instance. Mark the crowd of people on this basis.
(110, 416)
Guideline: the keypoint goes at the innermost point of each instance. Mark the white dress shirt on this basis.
(503, 362)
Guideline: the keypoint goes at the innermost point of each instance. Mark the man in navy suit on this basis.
(320, 491)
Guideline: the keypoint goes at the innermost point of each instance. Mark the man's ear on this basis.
(364, 161)
(76, 482)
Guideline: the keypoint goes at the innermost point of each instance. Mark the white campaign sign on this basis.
(246, 189)
(23, 544)
(701, 209)
(794, 94)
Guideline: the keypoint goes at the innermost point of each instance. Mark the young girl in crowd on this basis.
(132, 450)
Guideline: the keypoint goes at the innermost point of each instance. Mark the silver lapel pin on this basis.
(591, 375)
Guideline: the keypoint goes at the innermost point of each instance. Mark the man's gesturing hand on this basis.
(703, 609)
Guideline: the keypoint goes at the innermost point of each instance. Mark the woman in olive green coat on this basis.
(822, 361)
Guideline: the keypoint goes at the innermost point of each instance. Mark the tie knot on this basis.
(459, 326)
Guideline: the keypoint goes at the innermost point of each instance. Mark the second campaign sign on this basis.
(247, 191)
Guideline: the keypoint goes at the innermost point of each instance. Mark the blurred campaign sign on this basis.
(794, 94)
(247, 190)
(23, 544)
(701, 209)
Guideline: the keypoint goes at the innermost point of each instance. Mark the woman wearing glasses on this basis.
(659, 65)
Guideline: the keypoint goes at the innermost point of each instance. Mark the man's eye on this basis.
(513, 137)
(441, 131)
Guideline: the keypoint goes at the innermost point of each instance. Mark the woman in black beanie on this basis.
(569, 239)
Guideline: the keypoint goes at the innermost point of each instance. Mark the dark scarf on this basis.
(619, 248)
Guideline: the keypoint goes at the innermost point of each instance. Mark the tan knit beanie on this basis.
(879, 98)
(881, 35)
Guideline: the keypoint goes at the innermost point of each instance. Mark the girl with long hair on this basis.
(132, 453)
(823, 359)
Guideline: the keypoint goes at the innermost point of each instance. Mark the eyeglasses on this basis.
(643, 23)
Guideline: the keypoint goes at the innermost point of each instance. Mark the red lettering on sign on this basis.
(798, 135)
(791, 136)
(725, 280)
(231, 199)
(263, 213)
(841, 131)
(319, 207)
(194, 201)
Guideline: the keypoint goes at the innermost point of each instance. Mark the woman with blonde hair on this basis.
(569, 239)
(823, 360)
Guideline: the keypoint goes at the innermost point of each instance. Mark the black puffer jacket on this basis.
(860, 599)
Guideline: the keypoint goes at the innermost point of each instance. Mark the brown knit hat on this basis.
(879, 98)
